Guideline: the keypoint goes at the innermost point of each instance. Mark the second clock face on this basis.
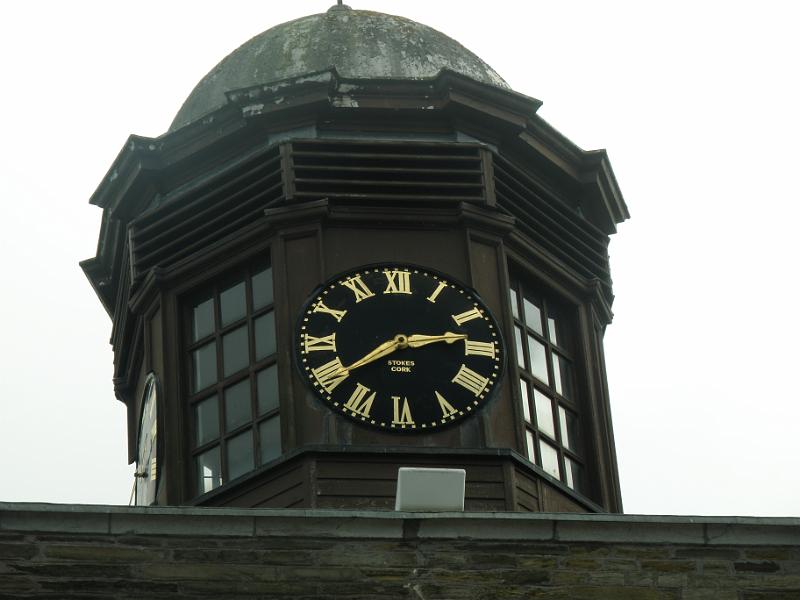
(147, 459)
(399, 348)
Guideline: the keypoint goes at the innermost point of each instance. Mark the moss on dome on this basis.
(360, 44)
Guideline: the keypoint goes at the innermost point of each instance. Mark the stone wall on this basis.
(70, 552)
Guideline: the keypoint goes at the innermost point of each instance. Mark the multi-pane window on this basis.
(545, 359)
(233, 399)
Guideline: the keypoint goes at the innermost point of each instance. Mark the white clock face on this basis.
(146, 462)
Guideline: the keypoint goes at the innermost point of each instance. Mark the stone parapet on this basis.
(71, 551)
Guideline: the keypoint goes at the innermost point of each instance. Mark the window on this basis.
(544, 346)
(233, 402)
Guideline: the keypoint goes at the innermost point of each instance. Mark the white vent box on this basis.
(430, 490)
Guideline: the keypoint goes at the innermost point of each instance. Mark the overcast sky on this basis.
(696, 102)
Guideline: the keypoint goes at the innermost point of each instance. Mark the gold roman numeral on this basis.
(471, 380)
(336, 314)
(447, 408)
(436, 292)
(358, 287)
(472, 313)
(330, 374)
(398, 282)
(326, 342)
(359, 402)
(478, 348)
(402, 414)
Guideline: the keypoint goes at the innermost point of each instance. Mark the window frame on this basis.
(566, 346)
(213, 289)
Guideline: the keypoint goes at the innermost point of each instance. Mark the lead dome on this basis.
(359, 44)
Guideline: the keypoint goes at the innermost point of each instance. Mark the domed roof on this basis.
(360, 44)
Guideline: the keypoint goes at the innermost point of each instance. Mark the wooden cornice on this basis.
(130, 184)
(601, 184)
(339, 213)
(99, 280)
(561, 276)
(601, 301)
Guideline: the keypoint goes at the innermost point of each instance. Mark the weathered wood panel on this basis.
(371, 481)
(388, 469)
(526, 502)
(282, 488)
(527, 490)
(498, 417)
(555, 501)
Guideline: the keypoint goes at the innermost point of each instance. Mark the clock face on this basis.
(399, 348)
(146, 461)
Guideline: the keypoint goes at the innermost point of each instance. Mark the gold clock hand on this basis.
(401, 341)
(417, 340)
(384, 349)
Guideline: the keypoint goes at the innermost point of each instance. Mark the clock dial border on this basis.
(481, 387)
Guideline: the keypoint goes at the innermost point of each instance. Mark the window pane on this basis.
(203, 319)
(270, 436)
(557, 327)
(518, 340)
(526, 407)
(204, 360)
(514, 303)
(538, 359)
(206, 420)
(562, 376)
(232, 304)
(569, 429)
(551, 328)
(533, 316)
(531, 446)
(267, 387)
(574, 474)
(240, 454)
(209, 475)
(235, 354)
(237, 405)
(549, 459)
(262, 288)
(265, 335)
(544, 413)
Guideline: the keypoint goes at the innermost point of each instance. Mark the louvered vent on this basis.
(196, 218)
(388, 171)
(550, 222)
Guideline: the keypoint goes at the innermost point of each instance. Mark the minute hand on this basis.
(379, 352)
(418, 340)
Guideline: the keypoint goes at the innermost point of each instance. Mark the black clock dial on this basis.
(399, 348)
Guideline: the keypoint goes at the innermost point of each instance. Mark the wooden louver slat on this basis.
(552, 224)
(388, 171)
(198, 218)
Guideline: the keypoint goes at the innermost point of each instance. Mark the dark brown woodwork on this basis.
(361, 477)
(449, 174)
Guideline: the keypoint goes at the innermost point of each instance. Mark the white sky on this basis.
(696, 102)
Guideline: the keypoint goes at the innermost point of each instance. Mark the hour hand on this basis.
(418, 340)
(379, 352)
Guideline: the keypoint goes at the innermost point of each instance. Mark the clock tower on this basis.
(357, 249)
